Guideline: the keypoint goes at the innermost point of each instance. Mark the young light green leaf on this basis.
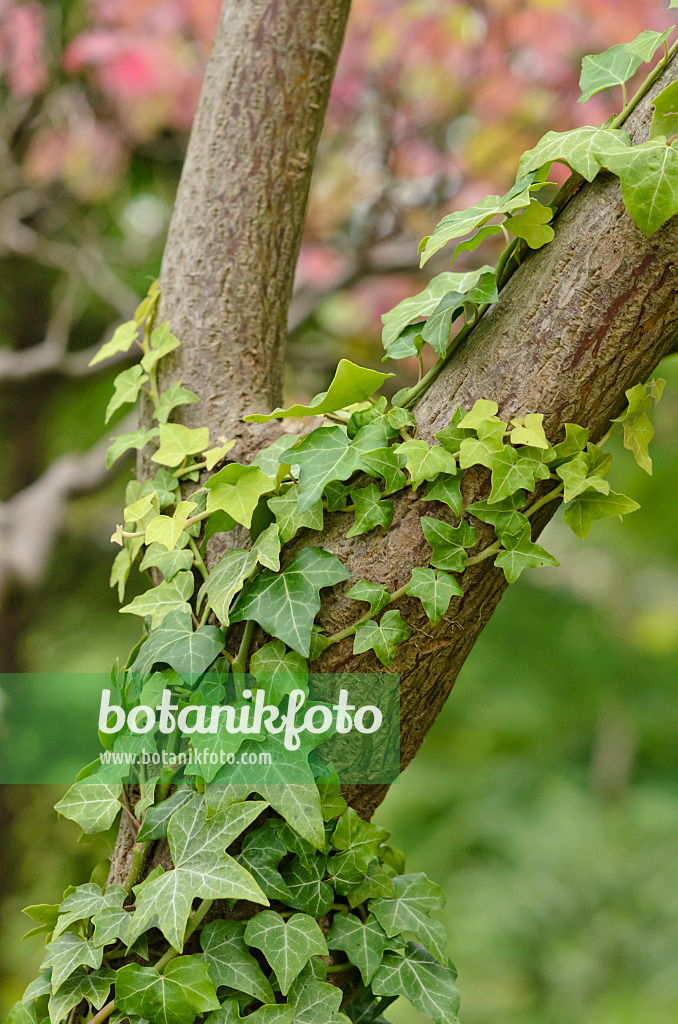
(162, 343)
(134, 439)
(363, 942)
(177, 442)
(214, 455)
(589, 506)
(177, 996)
(226, 580)
(123, 338)
(169, 562)
(649, 182)
(647, 43)
(576, 478)
(483, 411)
(513, 470)
(127, 387)
(167, 530)
(229, 961)
(376, 595)
(169, 596)
(533, 224)
(603, 70)
(382, 637)
(435, 590)
(585, 150)
(408, 344)
(425, 463)
(449, 543)
(370, 510)
(286, 603)
(93, 805)
(287, 945)
(529, 430)
(266, 547)
(350, 384)
(665, 118)
(521, 553)
(418, 977)
(173, 397)
(236, 490)
(175, 644)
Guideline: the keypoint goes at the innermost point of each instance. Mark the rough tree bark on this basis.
(582, 320)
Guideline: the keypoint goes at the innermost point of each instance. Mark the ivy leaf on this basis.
(176, 644)
(533, 225)
(85, 901)
(419, 977)
(585, 150)
(364, 943)
(270, 458)
(289, 788)
(314, 1001)
(647, 43)
(111, 921)
(262, 852)
(288, 517)
(409, 343)
(123, 338)
(504, 516)
(416, 307)
(386, 463)
(283, 671)
(449, 543)
(202, 869)
(446, 489)
(229, 1013)
(575, 476)
(521, 553)
(287, 945)
(511, 471)
(134, 439)
(376, 882)
(435, 590)
(376, 596)
(167, 530)
(383, 637)
(425, 463)
(350, 384)
(156, 818)
(236, 489)
(576, 439)
(649, 182)
(460, 223)
(436, 331)
(665, 118)
(323, 456)
(229, 961)
(226, 580)
(308, 890)
(370, 510)
(452, 436)
(286, 603)
(603, 70)
(127, 387)
(177, 442)
(590, 506)
(267, 547)
(162, 343)
(173, 397)
(169, 596)
(93, 805)
(416, 896)
(168, 562)
(80, 985)
(176, 996)
(66, 953)
(529, 430)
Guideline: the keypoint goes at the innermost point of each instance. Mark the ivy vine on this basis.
(322, 923)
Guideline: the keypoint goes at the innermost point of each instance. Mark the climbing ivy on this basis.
(320, 923)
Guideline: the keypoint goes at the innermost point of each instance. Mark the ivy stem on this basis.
(645, 86)
(103, 1014)
(551, 496)
(197, 558)
(336, 968)
(194, 922)
(239, 666)
(140, 857)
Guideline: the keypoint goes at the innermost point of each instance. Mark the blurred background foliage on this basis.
(545, 800)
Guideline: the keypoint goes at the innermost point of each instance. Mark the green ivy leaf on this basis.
(226, 580)
(93, 805)
(175, 644)
(176, 996)
(66, 953)
(123, 338)
(521, 553)
(386, 463)
(262, 852)
(452, 436)
(162, 343)
(229, 1013)
(446, 489)
(127, 387)
(529, 430)
(350, 384)
(156, 818)
(202, 869)
(382, 637)
(435, 590)
(286, 603)
(423, 305)
(289, 519)
(418, 977)
(436, 331)
(323, 456)
(408, 344)
(665, 118)
(576, 439)
(376, 596)
(230, 962)
(376, 882)
(287, 945)
(169, 562)
(308, 890)
(590, 506)
(463, 221)
(167, 530)
(169, 596)
(370, 510)
(425, 463)
(173, 397)
(409, 911)
(649, 182)
(576, 478)
(177, 442)
(314, 1000)
(80, 985)
(449, 543)
(533, 225)
(504, 516)
(85, 901)
(236, 489)
(364, 943)
(134, 439)
(585, 150)
(282, 671)
(603, 70)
